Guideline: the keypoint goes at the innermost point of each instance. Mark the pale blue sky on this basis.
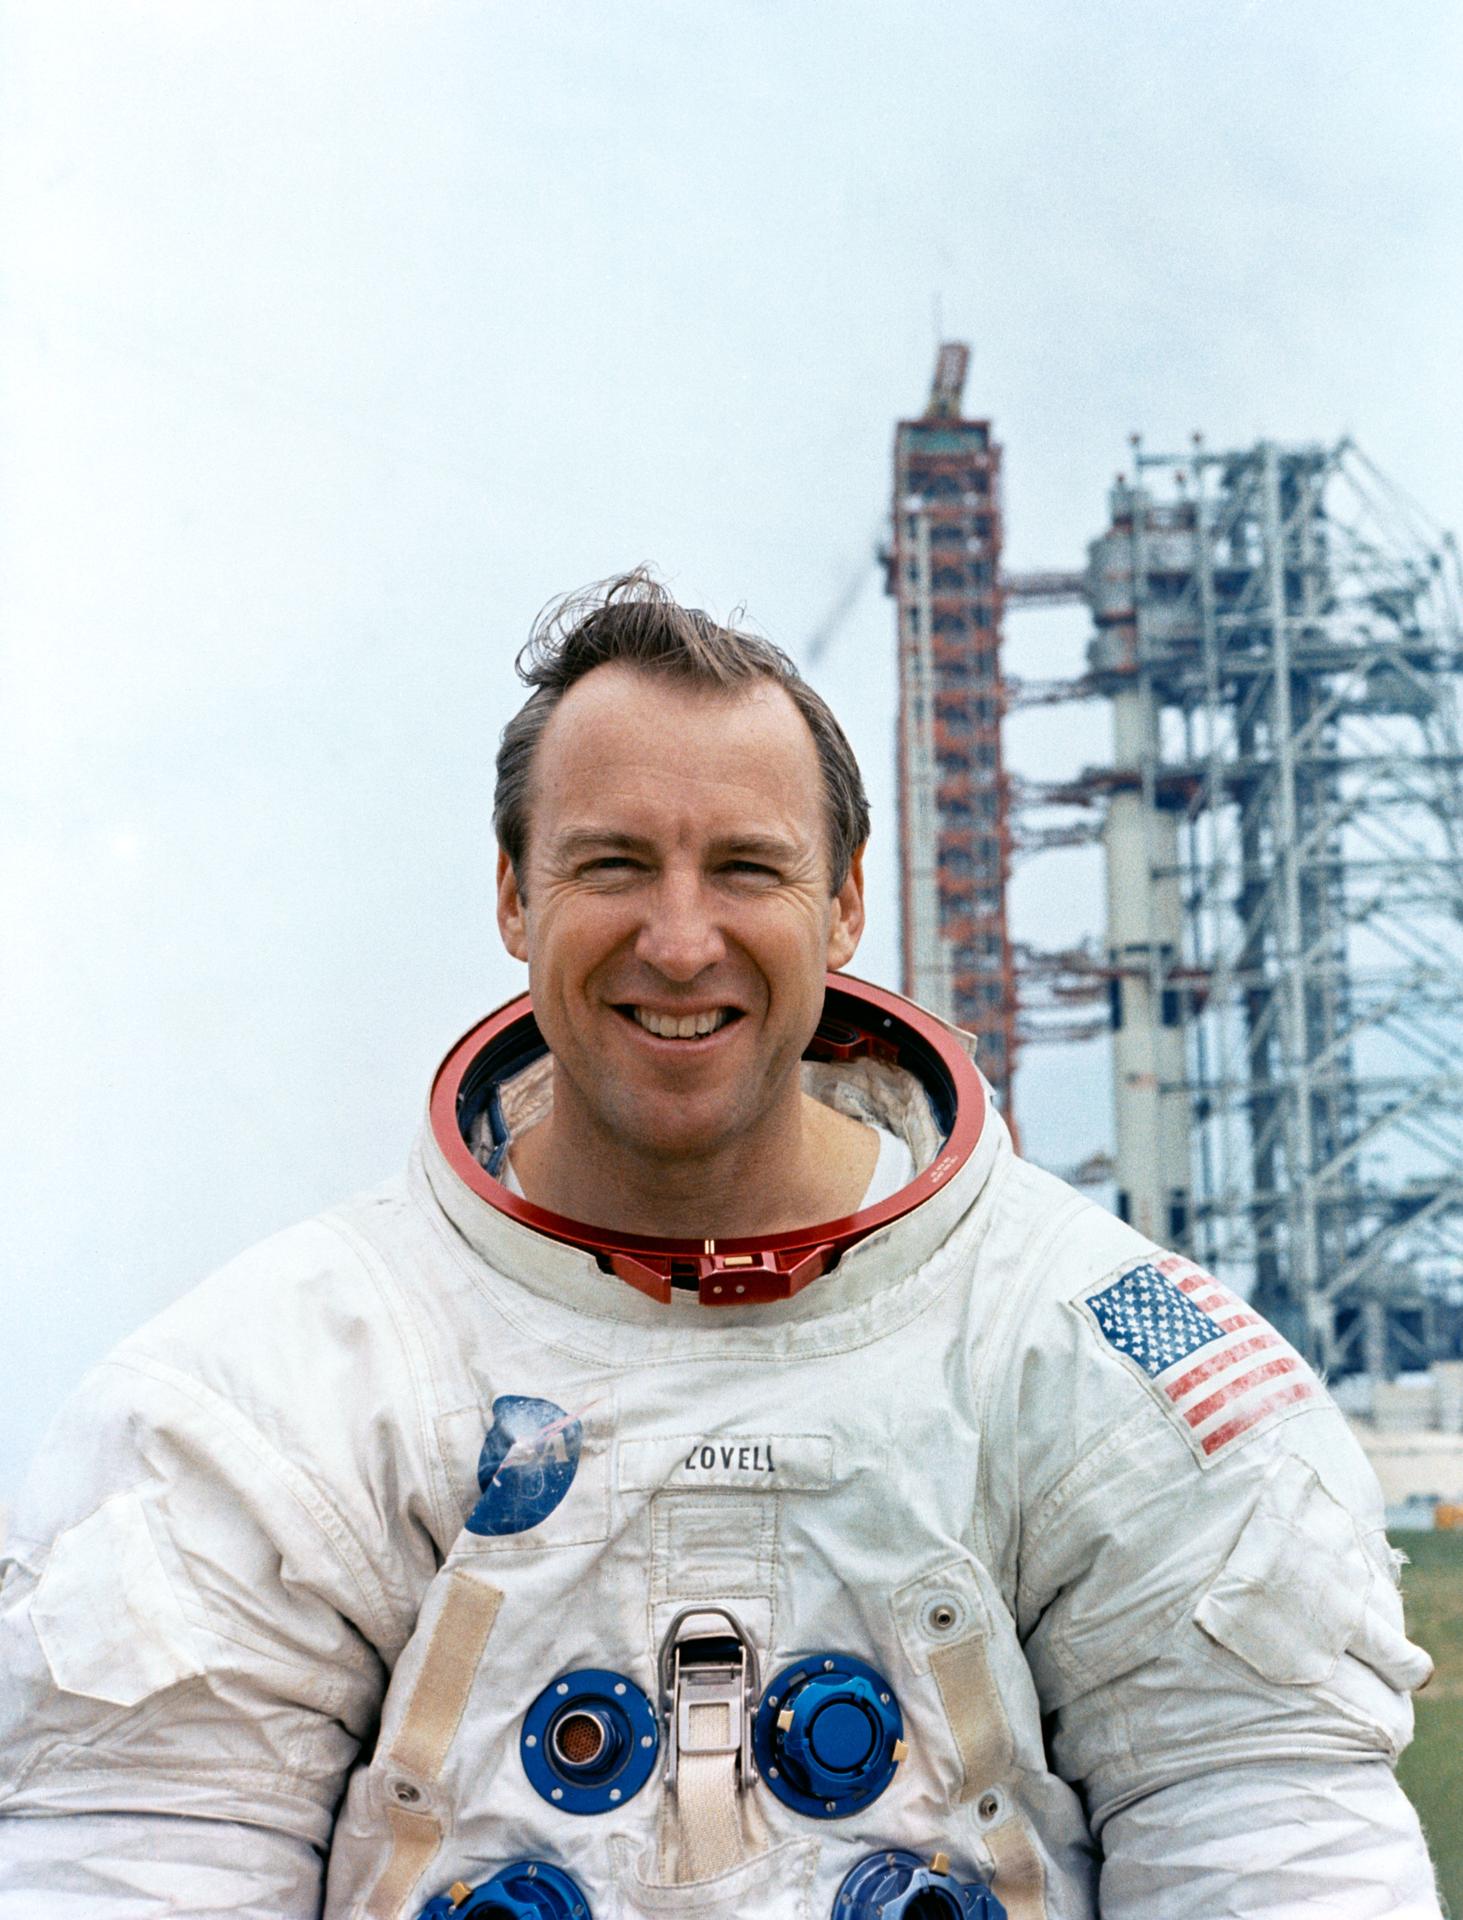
(334, 339)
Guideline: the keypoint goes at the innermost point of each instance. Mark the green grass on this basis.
(1432, 1767)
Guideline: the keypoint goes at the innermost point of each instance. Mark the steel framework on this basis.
(1281, 635)
(955, 839)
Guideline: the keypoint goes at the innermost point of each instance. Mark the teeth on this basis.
(685, 1026)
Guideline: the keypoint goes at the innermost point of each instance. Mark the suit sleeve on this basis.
(1210, 1610)
(189, 1639)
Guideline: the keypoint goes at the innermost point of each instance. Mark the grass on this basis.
(1432, 1767)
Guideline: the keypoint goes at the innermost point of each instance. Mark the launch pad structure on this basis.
(1278, 635)
(943, 567)
(1281, 640)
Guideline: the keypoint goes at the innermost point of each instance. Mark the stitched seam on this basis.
(1116, 1438)
(396, 1300)
(141, 1715)
(1034, 1247)
(308, 1496)
(983, 1380)
(269, 1779)
(364, 1663)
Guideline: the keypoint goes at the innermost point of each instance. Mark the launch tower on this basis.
(954, 835)
(1280, 634)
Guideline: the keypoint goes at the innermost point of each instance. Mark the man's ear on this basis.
(847, 926)
(512, 915)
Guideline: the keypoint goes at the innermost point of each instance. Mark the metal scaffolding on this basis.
(955, 841)
(1281, 637)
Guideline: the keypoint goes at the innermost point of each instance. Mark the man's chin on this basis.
(676, 1148)
(674, 1141)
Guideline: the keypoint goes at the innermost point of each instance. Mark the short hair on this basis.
(634, 621)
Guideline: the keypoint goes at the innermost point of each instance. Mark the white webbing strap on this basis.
(425, 1735)
(706, 1804)
(708, 1822)
(1019, 1881)
(707, 1825)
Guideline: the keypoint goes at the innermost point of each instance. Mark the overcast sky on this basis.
(336, 338)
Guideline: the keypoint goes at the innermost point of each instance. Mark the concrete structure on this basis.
(1430, 1402)
(1412, 1430)
(1420, 1474)
(1144, 939)
(1416, 1466)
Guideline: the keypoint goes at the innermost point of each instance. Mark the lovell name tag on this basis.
(767, 1461)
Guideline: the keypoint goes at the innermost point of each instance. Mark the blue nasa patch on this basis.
(529, 1458)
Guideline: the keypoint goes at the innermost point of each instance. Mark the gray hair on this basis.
(634, 621)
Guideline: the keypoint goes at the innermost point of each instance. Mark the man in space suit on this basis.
(722, 1479)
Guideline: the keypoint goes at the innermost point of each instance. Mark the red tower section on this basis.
(954, 812)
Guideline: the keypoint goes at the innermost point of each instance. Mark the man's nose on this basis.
(680, 937)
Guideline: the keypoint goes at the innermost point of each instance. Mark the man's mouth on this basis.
(682, 1026)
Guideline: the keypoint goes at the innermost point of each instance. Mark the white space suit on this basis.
(1141, 1621)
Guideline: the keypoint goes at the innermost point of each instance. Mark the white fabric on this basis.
(137, 1645)
(706, 1814)
(893, 1169)
(972, 1466)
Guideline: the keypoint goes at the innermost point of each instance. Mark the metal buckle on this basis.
(702, 1664)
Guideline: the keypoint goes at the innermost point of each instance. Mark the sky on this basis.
(336, 339)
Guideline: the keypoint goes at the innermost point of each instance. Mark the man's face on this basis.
(675, 911)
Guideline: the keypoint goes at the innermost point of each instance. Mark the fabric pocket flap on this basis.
(105, 1612)
(1293, 1593)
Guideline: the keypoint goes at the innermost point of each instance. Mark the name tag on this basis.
(769, 1461)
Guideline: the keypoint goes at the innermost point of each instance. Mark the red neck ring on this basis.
(859, 1021)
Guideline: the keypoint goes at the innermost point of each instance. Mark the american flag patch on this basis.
(1220, 1370)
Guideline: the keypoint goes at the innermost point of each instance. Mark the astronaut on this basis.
(723, 1478)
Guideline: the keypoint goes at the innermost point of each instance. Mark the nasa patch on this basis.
(528, 1462)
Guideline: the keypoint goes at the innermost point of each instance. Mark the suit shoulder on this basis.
(1052, 1240)
(306, 1281)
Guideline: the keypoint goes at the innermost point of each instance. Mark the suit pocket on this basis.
(106, 1612)
(1299, 1591)
(776, 1886)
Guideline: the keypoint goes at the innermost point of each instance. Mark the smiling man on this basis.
(678, 896)
(722, 1478)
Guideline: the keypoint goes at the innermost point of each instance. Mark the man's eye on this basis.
(610, 863)
(755, 868)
